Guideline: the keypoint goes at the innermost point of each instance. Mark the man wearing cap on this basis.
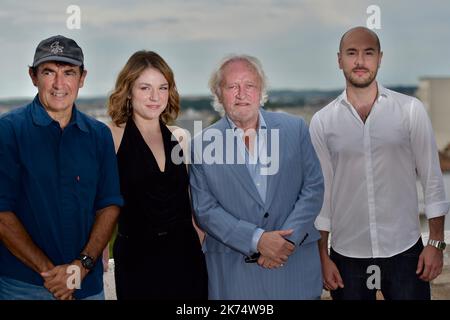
(59, 190)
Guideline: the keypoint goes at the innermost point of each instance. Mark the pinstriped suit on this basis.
(228, 207)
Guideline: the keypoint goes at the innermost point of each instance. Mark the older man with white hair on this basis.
(257, 194)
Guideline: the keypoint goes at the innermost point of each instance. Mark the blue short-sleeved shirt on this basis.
(54, 181)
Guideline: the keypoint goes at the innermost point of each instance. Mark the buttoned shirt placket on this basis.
(369, 172)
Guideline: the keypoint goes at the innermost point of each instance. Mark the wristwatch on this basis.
(437, 244)
(86, 261)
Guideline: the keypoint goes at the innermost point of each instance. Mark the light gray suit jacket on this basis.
(228, 207)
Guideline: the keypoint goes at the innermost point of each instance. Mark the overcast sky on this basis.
(295, 40)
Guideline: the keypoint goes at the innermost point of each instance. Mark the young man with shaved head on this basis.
(372, 144)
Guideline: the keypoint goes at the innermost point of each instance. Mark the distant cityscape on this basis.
(304, 103)
(432, 91)
(299, 102)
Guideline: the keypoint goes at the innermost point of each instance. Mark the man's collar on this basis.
(382, 92)
(79, 121)
(42, 118)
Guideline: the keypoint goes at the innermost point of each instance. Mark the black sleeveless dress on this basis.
(157, 252)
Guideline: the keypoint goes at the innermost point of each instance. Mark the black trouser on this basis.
(398, 280)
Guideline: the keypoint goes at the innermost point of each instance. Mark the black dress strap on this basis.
(155, 201)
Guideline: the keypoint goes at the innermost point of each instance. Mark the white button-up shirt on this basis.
(370, 170)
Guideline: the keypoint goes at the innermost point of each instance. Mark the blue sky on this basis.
(295, 40)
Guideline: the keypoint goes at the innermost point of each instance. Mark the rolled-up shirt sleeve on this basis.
(427, 161)
(108, 188)
(9, 167)
(323, 220)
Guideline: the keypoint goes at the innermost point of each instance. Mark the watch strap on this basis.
(86, 261)
(437, 244)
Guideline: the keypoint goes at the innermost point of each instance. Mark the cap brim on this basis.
(57, 58)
